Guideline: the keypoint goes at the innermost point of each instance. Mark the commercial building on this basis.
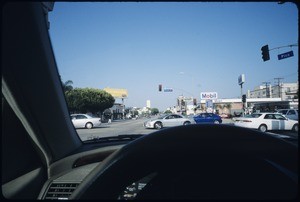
(267, 97)
(284, 91)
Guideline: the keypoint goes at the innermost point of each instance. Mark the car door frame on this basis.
(283, 122)
(179, 120)
(272, 123)
(80, 122)
(169, 122)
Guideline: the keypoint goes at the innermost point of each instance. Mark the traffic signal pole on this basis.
(265, 51)
(291, 45)
(243, 108)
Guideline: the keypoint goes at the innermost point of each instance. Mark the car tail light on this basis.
(247, 121)
(240, 120)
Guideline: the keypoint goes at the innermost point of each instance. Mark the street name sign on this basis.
(285, 55)
(168, 90)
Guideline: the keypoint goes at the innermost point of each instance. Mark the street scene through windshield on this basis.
(135, 68)
(150, 100)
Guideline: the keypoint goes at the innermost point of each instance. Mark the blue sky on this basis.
(190, 47)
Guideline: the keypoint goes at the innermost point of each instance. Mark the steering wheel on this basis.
(198, 162)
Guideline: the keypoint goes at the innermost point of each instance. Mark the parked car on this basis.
(266, 121)
(290, 113)
(207, 118)
(168, 120)
(85, 121)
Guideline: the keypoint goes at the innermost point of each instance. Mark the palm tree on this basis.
(220, 106)
(67, 86)
(228, 106)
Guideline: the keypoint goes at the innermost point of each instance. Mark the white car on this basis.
(266, 121)
(85, 121)
(290, 113)
(168, 120)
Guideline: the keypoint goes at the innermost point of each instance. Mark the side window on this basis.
(80, 117)
(268, 116)
(177, 117)
(279, 117)
(283, 111)
(291, 112)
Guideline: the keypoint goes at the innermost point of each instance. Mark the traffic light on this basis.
(244, 98)
(159, 87)
(265, 53)
(195, 101)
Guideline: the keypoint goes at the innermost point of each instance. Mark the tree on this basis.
(220, 106)
(135, 113)
(88, 100)
(168, 112)
(67, 86)
(228, 106)
(154, 111)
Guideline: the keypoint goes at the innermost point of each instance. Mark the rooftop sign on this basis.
(117, 93)
(208, 95)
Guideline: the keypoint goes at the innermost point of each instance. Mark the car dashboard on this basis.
(68, 173)
(63, 181)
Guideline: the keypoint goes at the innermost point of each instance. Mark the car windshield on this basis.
(129, 62)
(162, 117)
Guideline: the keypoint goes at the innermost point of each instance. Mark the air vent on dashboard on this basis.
(60, 191)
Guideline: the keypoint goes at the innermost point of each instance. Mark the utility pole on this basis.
(267, 90)
(279, 86)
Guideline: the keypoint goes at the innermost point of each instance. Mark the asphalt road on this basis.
(119, 127)
(128, 127)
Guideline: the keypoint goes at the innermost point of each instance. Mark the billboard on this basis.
(117, 92)
(208, 95)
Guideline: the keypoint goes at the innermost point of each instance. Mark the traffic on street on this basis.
(136, 127)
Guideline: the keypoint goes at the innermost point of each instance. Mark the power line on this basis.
(267, 89)
(285, 76)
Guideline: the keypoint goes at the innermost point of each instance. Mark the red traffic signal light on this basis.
(265, 53)
(244, 98)
(195, 101)
(159, 87)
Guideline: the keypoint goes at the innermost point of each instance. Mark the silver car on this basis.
(169, 120)
(290, 113)
(85, 121)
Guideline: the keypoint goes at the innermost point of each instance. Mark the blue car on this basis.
(207, 118)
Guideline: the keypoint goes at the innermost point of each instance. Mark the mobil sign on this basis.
(208, 95)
